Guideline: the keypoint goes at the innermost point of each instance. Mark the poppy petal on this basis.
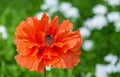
(19, 31)
(58, 44)
(53, 26)
(65, 27)
(70, 59)
(59, 64)
(26, 29)
(41, 67)
(26, 48)
(43, 23)
(34, 66)
(25, 62)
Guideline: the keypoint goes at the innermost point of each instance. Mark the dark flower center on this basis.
(49, 39)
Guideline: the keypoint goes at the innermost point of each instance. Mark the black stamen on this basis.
(49, 39)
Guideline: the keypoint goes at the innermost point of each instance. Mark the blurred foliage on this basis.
(106, 41)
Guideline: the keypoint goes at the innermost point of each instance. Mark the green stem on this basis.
(44, 72)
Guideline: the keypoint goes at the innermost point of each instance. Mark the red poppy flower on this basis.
(40, 44)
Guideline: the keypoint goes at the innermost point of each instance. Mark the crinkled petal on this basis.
(59, 64)
(44, 22)
(72, 41)
(71, 59)
(65, 27)
(26, 48)
(58, 44)
(41, 67)
(68, 60)
(20, 32)
(50, 56)
(30, 63)
(53, 26)
(48, 52)
(34, 66)
(25, 62)
(28, 29)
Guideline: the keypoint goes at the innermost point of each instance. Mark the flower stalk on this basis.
(44, 72)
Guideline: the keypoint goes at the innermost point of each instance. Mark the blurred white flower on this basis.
(117, 67)
(87, 45)
(113, 16)
(48, 68)
(3, 32)
(97, 22)
(39, 15)
(100, 71)
(99, 9)
(53, 10)
(104, 70)
(117, 26)
(111, 58)
(65, 8)
(69, 11)
(88, 74)
(84, 32)
(49, 4)
(113, 3)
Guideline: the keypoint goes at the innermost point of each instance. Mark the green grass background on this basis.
(106, 41)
